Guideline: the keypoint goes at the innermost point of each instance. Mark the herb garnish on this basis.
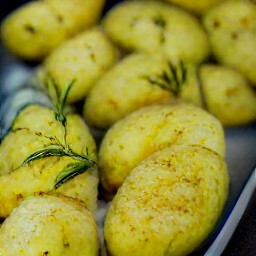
(59, 98)
(56, 148)
(172, 80)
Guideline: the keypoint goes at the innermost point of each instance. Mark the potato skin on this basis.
(196, 6)
(49, 225)
(228, 95)
(145, 131)
(232, 32)
(153, 26)
(31, 134)
(168, 204)
(84, 58)
(32, 31)
(126, 87)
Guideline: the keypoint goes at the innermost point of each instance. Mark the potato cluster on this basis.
(157, 80)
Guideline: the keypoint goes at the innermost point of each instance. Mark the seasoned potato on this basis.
(227, 94)
(35, 29)
(84, 58)
(145, 131)
(157, 27)
(232, 30)
(168, 204)
(52, 150)
(49, 225)
(196, 6)
(139, 80)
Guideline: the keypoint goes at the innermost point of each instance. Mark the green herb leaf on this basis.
(72, 170)
(60, 104)
(173, 80)
(53, 90)
(46, 152)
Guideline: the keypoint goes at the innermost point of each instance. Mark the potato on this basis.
(35, 29)
(84, 58)
(232, 30)
(37, 130)
(145, 131)
(157, 27)
(168, 204)
(49, 225)
(227, 94)
(196, 6)
(134, 83)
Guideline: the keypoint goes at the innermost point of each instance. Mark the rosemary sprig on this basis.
(72, 170)
(82, 164)
(59, 98)
(171, 80)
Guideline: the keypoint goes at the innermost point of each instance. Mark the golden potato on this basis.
(227, 94)
(232, 31)
(157, 27)
(168, 204)
(145, 131)
(52, 150)
(35, 29)
(84, 58)
(49, 225)
(137, 81)
(196, 6)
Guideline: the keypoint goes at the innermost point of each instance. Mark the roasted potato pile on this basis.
(130, 108)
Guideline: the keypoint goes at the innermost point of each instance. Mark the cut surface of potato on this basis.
(49, 225)
(168, 204)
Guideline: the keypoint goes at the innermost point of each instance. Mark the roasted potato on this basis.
(197, 6)
(232, 31)
(32, 31)
(137, 81)
(84, 58)
(48, 153)
(152, 26)
(49, 225)
(228, 95)
(145, 131)
(168, 204)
